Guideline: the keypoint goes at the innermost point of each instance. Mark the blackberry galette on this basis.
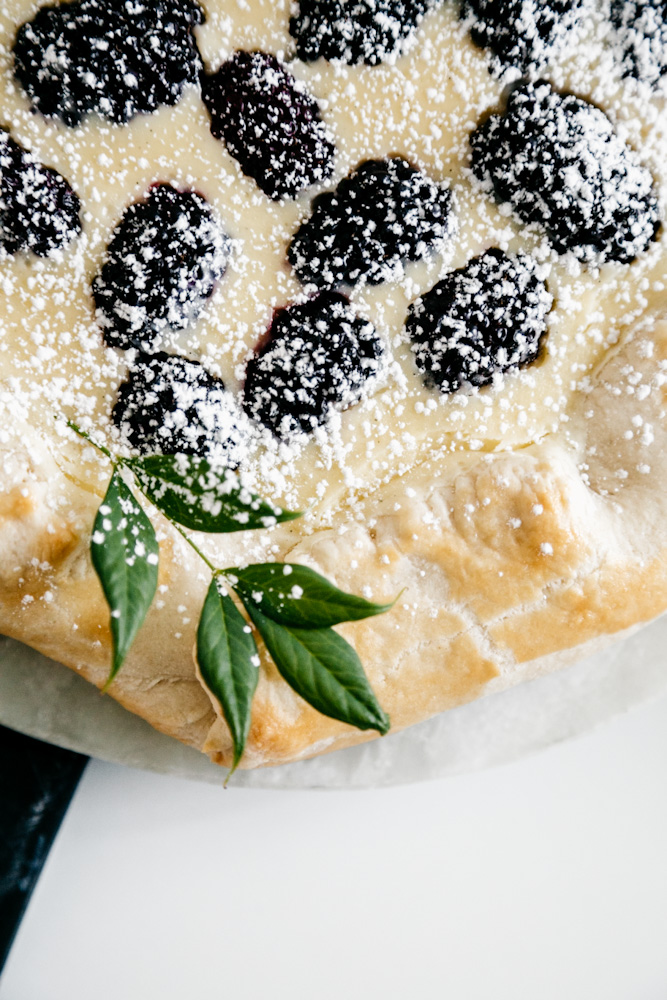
(391, 274)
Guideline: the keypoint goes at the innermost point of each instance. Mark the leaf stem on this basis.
(117, 460)
(213, 569)
(174, 524)
(84, 434)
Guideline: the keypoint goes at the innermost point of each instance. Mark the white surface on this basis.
(58, 706)
(542, 880)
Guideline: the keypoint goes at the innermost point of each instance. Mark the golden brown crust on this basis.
(503, 560)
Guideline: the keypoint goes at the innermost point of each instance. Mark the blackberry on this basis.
(319, 355)
(382, 214)
(361, 31)
(268, 123)
(641, 27)
(39, 211)
(557, 160)
(173, 406)
(486, 318)
(165, 256)
(521, 34)
(114, 57)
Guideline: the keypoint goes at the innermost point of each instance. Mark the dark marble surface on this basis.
(37, 782)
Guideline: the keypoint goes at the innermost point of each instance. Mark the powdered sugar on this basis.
(557, 161)
(523, 35)
(363, 31)
(38, 209)
(641, 35)
(117, 58)
(162, 264)
(480, 321)
(421, 106)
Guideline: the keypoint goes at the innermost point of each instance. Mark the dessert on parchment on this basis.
(401, 266)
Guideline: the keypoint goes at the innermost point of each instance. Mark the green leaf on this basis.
(124, 552)
(202, 496)
(324, 669)
(298, 596)
(228, 662)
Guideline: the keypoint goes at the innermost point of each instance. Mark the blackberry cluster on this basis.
(165, 256)
(487, 318)
(39, 211)
(558, 162)
(355, 31)
(268, 123)
(319, 355)
(117, 58)
(521, 34)
(641, 27)
(173, 406)
(380, 216)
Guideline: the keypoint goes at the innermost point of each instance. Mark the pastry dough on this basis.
(521, 523)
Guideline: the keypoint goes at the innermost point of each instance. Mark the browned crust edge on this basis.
(507, 562)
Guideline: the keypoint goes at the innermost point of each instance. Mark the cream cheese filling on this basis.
(422, 106)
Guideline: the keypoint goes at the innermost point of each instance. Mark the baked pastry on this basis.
(400, 262)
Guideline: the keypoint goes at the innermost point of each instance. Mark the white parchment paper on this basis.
(48, 701)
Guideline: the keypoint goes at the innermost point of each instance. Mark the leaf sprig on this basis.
(292, 607)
